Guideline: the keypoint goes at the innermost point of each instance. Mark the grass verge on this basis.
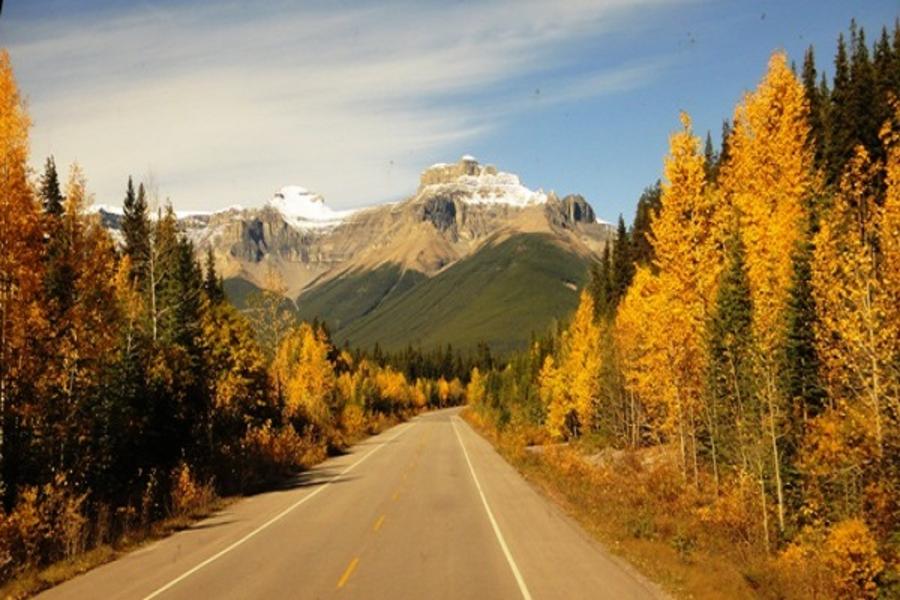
(634, 514)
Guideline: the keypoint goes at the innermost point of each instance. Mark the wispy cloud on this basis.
(223, 104)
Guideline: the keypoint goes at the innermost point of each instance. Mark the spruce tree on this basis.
(709, 154)
(51, 196)
(840, 122)
(800, 371)
(212, 284)
(136, 229)
(59, 277)
(862, 109)
(815, 99)
(622, 264)
(729, 370)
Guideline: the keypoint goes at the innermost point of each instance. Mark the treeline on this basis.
(442, 362)
(749, 324)
(130, 391)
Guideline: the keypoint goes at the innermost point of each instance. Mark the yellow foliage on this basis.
(476, 391)
(570, 391)
(768, 178)
(856, 335)
(305, 377)
(852, 556)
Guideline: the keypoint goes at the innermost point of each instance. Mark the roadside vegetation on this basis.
(133, 396)
(724, 405)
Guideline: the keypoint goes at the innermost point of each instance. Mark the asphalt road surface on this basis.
(424, 510)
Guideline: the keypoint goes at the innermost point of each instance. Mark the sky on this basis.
(220, 102)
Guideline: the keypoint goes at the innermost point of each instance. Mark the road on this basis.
(424, 510)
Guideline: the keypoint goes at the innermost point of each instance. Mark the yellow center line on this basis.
(396, 495)
(350, 568)
(378, 523)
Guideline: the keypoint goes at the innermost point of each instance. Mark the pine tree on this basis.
(51, 196)
(711, 158)
(863, 105)
(59, 278)
(622, 264)
(136, 230)
(729, 370)
(840, 122)
(816, 100)
(212, 284)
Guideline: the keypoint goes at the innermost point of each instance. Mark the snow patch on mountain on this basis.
(306, 210)
(478, 184)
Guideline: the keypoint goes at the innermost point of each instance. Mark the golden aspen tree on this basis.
(856, 337)
(570, 391)
(305, 379)
(22, 319)
(476, 390)
(687, 240)
(557, 403)
(768, 178)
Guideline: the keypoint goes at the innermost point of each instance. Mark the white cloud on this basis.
(224, 105)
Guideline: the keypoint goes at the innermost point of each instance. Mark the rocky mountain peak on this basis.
(474, 183)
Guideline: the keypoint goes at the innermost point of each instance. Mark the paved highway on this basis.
(425, 510)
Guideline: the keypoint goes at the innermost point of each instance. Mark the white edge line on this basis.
(512, 563)
(271, 521)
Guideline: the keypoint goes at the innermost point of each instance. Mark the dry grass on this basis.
(647, 524)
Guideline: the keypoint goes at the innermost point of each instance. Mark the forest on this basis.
(730, 382)
(131, 391)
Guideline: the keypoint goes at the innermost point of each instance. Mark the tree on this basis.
(136, 230)
(622, 263)
(730, 377)
(304, 378)
(641, 237)
(21, 280)
(570, 391)
(51, 196)
(840, 134)
(212, 283)
(816, 99)
(769, 179)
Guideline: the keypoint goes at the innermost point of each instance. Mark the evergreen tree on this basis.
(599, 284)
(725, 151)
(709, 154)
(59, 279)
(800, 358)
(815, 99)
(840, 136)
(212, 284)
(622, 264)
(51, 196)
(729, 368)
(647, 208)
(862, 109)
(136, 229)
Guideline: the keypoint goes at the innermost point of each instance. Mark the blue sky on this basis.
(217, 103)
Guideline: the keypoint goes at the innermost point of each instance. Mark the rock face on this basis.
(457, 208)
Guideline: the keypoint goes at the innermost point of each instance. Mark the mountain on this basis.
(472, 256)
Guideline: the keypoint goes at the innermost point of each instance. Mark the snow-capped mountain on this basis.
(457, 209)
(305, 209)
